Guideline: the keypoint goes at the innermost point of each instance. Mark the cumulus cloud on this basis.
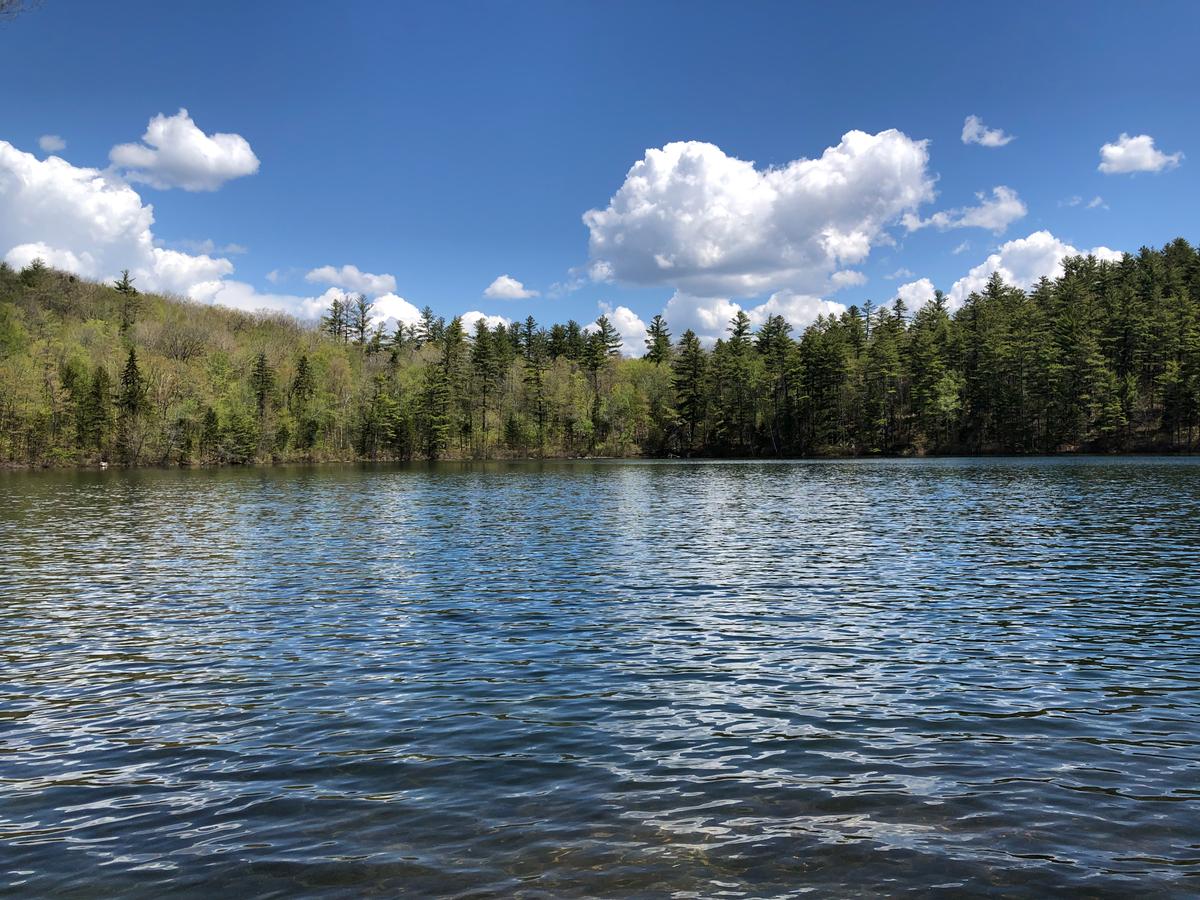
(85, 221)
(711, 225)
(391, 309)
(846, 278)
(176, 153)
(902, 272)
(349, 278)
(961, 248)
(243, 296)
(994, 213)
(94, 224)
(1135, 154)
(915, 294)
(470, 318)
(800, 310)
(709, 317)
(1022, 262)
(52, 143)
(975, 132)
(631, 328)
(505, 287)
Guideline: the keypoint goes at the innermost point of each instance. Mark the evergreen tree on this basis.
(658, 341)
(131, 403)
(484, 372)
(95, 411)
(360, 319)
(210, 435)
(129, 300)
(262, 384)
(690, 388)
(426, 328)
(303, 384)
(335, 322)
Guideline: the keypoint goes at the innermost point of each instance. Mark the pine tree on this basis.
(609, 339)
(131, 397)
(303, 384)
(335, 323)
(658, 341)
(129, 300)
(131, 403)
(262, 383)
(434, 411)
(360, 319)
(35, 273)
(484, 372)
(529, 333)
(95, 411)
(426, 327)
(210, 435)
(690, 388)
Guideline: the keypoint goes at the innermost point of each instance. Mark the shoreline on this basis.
(8, 466)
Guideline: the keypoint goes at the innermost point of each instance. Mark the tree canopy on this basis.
(1104, 358)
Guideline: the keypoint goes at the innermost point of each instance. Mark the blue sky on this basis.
(448, 144)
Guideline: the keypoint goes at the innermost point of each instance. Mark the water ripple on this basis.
(582, 679)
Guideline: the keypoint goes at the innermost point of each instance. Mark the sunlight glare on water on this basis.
(699, 679)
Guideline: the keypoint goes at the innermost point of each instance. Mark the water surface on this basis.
(578, 679)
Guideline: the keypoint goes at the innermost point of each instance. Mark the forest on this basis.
(1105, 358)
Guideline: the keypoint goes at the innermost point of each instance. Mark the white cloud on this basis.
(994, 213)
(709, 317)
(596, 272)
(349, 278)
(961, 248)
(800, 310)
(469, 319)
(210, 247)
(243, 296)
(391, 309)
(388, 310)
(846, 278)
(1135, 154)
(690, 216)
(52, 143)
(505, 287)
(176, 153)
(915, 294)
(631, 328)
(901, 272)
(975, 132)
(90, 223)
(1022, 262)
(1096, 202)
(599, 270)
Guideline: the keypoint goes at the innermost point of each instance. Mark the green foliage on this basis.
(1104, 358)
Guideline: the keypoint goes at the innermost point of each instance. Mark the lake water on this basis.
(578, 679)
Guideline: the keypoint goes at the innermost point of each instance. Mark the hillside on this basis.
(1106, 358)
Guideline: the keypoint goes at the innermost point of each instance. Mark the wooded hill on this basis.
(1105, 358)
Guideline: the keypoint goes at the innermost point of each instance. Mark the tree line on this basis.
(1105, 358)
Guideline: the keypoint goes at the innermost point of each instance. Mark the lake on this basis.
(554, 679)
